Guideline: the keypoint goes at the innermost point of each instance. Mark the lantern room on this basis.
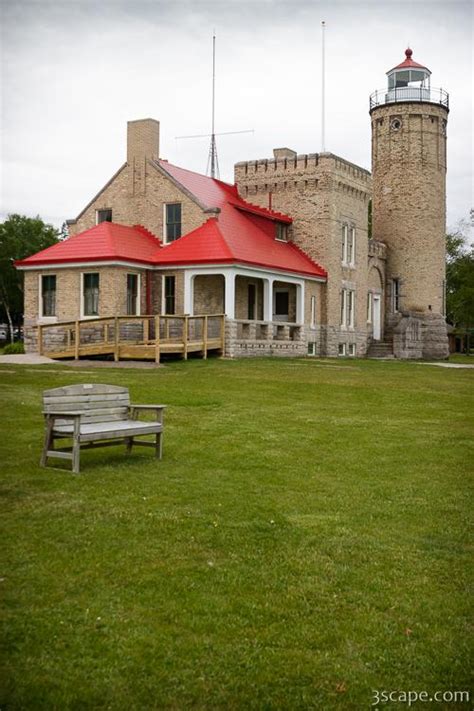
(409, 80)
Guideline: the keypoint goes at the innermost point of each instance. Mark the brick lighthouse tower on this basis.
(409, 120)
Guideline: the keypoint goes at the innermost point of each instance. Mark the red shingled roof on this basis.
(240, 233)
(104, 242)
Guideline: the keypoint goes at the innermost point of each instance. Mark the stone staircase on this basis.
(380, 349)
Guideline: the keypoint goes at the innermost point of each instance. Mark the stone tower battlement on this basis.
(288, 171)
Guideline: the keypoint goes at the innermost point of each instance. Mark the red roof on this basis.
(409, 63)
(104, 242)
(240, 233)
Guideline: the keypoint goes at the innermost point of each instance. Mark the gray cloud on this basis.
(74, 73)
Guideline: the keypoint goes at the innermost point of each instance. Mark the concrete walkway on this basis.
(32, 359)
(449, 365)
(26, 359)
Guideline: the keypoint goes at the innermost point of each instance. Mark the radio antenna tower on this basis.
(212, 161)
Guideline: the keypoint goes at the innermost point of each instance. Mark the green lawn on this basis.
(302, 542)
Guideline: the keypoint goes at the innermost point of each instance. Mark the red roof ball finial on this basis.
(408, 53)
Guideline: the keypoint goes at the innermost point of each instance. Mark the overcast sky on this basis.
(74, 72)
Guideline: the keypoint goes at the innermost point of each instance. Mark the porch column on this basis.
(268, 299)
(229, 277)
(300, 303)
(189, 293)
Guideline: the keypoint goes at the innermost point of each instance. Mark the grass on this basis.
(302, 543)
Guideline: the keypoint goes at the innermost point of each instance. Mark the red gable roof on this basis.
(241, 233)
(104, 242)
(207, 245)
(409, 63)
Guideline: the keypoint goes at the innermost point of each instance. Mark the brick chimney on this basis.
(279, 153)
(143, 140)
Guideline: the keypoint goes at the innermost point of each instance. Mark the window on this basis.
(282, 301)
(341, 349)
(311, 349)
(350, 308)
(104, 216)
(369, 307)
(281, 232)
(343, 307)
(91, 294)
(172, 221)
(348, 245)
(252, 299)
(48, 295)
(313, 312)
(344, 243)
(352, 349)
(133, 305)
(170, 294)
(395, 295)
(347, 308)
(350, 259)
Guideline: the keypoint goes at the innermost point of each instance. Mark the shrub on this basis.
(14, 348)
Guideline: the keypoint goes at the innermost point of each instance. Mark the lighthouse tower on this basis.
(409, 120)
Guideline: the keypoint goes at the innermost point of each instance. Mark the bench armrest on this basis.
(135, 409)
(62, 415)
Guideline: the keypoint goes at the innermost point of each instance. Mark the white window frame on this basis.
(83, 315)
(165, 224)
(311, 349)
(347, 308)
(41, 318)
(351, 350)
(348, 239)
(312, 312)
(139, 291)
(341, 350)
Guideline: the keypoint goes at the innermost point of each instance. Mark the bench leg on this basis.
(128, 444)
(76, 453)
(48, 442)
(159, 445)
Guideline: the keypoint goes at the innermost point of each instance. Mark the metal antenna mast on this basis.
(212, 161)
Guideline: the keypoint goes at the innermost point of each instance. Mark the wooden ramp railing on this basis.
(133, 337)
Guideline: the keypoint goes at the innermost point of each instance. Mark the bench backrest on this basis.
(97, 403)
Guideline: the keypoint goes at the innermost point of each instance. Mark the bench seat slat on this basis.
(109, 430)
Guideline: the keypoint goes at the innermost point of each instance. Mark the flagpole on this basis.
(323, 90)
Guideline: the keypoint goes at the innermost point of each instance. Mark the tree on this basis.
(64, 231)
(460, 281)
(20, 236)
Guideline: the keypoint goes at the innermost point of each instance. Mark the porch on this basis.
(133, 337)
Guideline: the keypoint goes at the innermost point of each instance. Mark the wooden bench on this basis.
(96, 416)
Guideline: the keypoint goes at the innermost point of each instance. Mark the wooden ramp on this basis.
(133, 337)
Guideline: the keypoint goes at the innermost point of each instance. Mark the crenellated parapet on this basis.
(308, 172)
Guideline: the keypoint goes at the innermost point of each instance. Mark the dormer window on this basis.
(281, 232)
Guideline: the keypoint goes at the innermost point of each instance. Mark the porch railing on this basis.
(134, 337)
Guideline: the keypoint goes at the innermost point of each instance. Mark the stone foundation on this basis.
(250, 339)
